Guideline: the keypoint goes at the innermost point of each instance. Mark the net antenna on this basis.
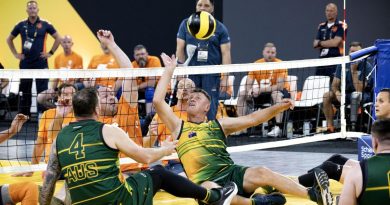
(343, 76)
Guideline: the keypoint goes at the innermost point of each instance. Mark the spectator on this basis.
(66, 60)
(146, 85)
(33, 55)
(213, 51)
(355, 74)
(369, 182)
(329, 39)
(272, 86)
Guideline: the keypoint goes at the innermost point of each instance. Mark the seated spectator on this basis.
(66, 60)
(146, 85)
(272, 87)
(354, 89)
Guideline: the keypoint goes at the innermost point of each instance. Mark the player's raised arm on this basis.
(234, 124)
(130, 87)
(164, 111)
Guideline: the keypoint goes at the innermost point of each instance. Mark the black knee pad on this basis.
(332, 169)
(338, 159)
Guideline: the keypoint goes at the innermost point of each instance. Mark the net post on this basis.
(343, 121)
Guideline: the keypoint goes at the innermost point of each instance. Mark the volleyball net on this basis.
(246, 88)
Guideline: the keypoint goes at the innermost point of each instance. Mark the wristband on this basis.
(51, 52)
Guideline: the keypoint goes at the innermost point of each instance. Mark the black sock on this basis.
(338, 159)
(332, 170)
(180, 186)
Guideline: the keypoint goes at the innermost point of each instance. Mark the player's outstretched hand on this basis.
(169, 62)
(290, 102)
(169, 145)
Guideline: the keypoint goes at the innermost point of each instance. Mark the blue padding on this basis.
(365, 150)
(366, 51)
(382, 62)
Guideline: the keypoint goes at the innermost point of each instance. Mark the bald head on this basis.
(184, 88)
(331, 12)
(67, 43)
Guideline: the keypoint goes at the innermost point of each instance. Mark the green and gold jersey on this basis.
(90, 167)
(202, 151)
(376, 180)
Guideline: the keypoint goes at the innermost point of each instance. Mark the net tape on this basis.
(140, 72)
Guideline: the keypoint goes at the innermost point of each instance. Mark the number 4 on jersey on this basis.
(77, 147)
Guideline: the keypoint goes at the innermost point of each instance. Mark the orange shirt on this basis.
(153, 62)
(72, 61)
(127, 118)
(104, 61)
(162, 131)
(46, 120)
(271, 75)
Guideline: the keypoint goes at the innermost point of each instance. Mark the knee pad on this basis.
(332, 169)
(338, 159)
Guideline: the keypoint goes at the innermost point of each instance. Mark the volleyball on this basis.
(201, 25)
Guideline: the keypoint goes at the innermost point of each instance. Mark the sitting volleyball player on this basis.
(158, 130)
(369, 182)
(21, 192)
(202, 148)
(337, 166)
(86, 151)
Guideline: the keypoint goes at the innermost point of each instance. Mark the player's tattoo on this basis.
(52, 172)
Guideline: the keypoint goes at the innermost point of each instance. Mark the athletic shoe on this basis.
(320, 192)
(274, 198)
(275, 132)
(227, 193)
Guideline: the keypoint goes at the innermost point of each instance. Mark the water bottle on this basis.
(264, 129)
(306, 128)
(290, 129)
